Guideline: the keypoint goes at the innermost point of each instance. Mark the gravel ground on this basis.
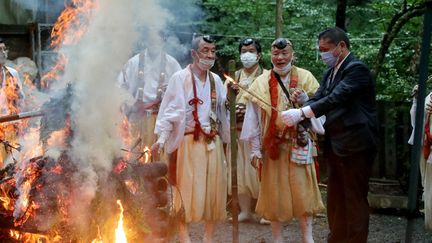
(383, 228)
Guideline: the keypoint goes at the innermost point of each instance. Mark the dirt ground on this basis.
(384, 226)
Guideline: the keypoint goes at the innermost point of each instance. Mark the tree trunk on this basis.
(278, 20)
(341, 14)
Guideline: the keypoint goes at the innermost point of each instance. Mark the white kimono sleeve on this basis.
(222, 112)
(251, 130)
(170, 123)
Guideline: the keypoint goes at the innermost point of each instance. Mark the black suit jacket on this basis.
(350, 108)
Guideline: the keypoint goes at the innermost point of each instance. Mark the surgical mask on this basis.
(249, 59)
(282, 71)
(206, 64)
(328, 57)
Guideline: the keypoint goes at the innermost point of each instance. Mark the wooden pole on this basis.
(233, 146)
(415, 158)
(279, 19)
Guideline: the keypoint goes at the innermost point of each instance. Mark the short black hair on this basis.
(250, 41)
(335, 35)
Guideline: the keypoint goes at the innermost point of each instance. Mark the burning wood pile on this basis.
(37, 196)
(67, 178)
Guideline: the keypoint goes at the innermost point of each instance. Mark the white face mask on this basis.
(328, 57)
(282, 71)
(249, 59)
(206, 64)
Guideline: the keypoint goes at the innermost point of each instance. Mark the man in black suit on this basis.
(347, 98)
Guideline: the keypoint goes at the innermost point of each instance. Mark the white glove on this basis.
(291, 117)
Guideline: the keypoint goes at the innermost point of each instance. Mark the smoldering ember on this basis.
(83, 152)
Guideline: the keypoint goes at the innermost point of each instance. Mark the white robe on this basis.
(175, 114)
(152, 70)
(201, 175)
(425, 166)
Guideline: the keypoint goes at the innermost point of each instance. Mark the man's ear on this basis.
(343, 44)
(193, 53)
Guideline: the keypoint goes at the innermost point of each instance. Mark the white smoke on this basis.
(93, 66)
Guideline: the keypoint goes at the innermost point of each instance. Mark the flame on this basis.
(69, 28)
(10, 100)
(55, 72)
(119, 231)
(229, 79)
(23, 208)
(131, 186)
(74, 19)
(99, 238)
(147, 154)
(28, 237)
(6, 201)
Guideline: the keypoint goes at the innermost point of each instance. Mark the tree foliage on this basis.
(370, 24)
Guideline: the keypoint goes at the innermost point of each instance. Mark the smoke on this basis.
(93, 66)
(113, 33)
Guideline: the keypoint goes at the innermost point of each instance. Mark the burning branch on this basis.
(229, 79)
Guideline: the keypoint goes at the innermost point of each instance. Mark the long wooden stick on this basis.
(233, 132)
(251, 93)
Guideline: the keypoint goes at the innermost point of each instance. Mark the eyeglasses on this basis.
(281, 43)
(208, 38)
(247, 41)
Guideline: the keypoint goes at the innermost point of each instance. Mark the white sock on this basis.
(245, 207)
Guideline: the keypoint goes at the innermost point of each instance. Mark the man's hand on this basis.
(298, 96)
(156, 148)
(234, 87)
(256, 162)
(414, 91)
(428, 105)
(292, 116)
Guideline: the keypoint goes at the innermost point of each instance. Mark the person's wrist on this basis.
(302, 114)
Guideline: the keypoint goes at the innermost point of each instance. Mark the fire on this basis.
(5, 200)
(229, 79)
(147, 154)
(69, 28)
(28, 237)
(120, 235)
(72, 20)
(23, 208)
(10, 99)
(98, 239)
(55, 72)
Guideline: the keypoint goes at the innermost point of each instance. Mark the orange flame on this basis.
(119, 231)
(24, 209)
(5, 200)
(229, 79)
(28, 237)
(74, 19)
(55, 72)
(147, 154)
